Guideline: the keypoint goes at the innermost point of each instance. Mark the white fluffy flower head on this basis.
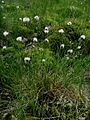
(3, 1)
(70, 51)
(61, 31)
(4, 17)
(35, 39)
(46, 30)
(36, 17)
(69, 23)
(82, 36)
(62, 46)
(4, 47)
(79, 47)
(26, 19)
(67, 58)
(46, 40)
(20, 19)
(19, 39)
(43, 60)
(5, 33)
(27, 59)
(17, 7)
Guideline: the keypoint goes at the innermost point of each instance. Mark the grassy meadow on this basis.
(45, 60)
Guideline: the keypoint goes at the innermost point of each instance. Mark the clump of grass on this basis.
(43, 85)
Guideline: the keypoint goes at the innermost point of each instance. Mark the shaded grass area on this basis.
(45, 89)
(53, 11)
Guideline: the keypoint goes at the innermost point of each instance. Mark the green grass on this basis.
(49, 86)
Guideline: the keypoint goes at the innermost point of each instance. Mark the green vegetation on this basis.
(45, 60)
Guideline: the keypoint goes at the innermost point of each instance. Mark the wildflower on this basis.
(19, 39)
(5, 33)
(70, 42)
(4, 47)
(46, 30)
(35, 39)
(17, 7)
(61, 31)
(4, 17)
(27, 59)
(46, 40)
(79, 47)
(26, 19)
(43, 60)
(70, 51)
(36, 18)
(62, 46)
(69, 23)
(82, 36)
(3, 1)
(20, 19)
(67, 58)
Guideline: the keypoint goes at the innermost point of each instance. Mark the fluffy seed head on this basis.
(5, 33)
(26, 19)
(61, 31)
